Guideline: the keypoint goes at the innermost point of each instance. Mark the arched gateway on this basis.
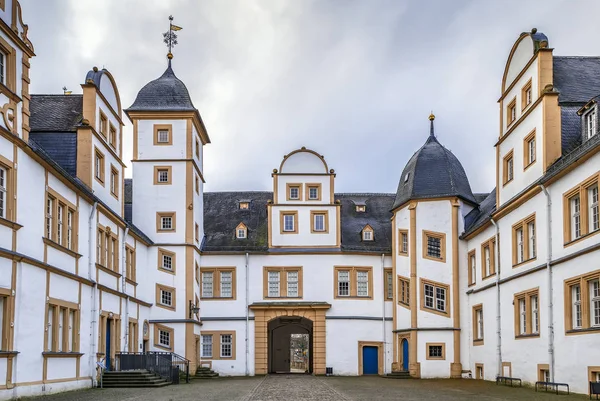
(289, 337)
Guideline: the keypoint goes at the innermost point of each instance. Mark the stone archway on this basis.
(290, 347)
(265, 312)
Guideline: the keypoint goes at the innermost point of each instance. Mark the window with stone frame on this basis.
(353, 282)
(206, 346)
(589, 123)
(226, 345)
(581, 210)
(282, 282)
(582, 303)
(62, 326)
(403, 242)
(218, 283)
(434, 246)
(436, 351)
(478, 324)
(404, 291)
(472, 277)
(166, 297)
(434, 297)
(527, 313)
(164, 338)
(389, 284)
(488, 258)
(3, 192)
(524, 240)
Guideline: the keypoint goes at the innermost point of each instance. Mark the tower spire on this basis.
(431, 130)
(170, 37)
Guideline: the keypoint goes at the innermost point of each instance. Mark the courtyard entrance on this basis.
(290, 345)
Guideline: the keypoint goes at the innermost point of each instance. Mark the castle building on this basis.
(434, 280)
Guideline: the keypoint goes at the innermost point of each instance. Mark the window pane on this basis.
(390, 285)
(576, 304)
(72, 330)
(319, 222)
(166, 297)
(440, 294)
(534, 315)
(404, 243)
(532, 247)
(207, 344)
(522, 317)
(166, 223)
(226, 284)
(2, 193)
(288, 222)
(163, 136)
(273, 278)
(164, 338)
(362, 285)
(594, 213)
(343, 283)
(207, 284)
(50, 329)
(434, 247)
(226, 345)
(167, 262)
(313, 193)
(292, 284)
(428, 296)
(294, 193)
(595, 302)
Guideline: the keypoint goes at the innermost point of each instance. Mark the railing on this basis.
(167, 365)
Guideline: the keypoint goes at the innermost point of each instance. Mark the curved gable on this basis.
(522, 51)
(303, 161)
(108, 88)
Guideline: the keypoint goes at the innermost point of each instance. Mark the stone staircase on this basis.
(398, 375)
(203, 372)
(132, 378)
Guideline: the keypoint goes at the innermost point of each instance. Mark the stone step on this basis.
(135, 385)
(213, 374)
(397, 375)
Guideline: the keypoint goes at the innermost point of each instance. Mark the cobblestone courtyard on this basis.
(309, 388)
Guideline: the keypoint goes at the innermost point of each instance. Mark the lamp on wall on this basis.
(193, 309)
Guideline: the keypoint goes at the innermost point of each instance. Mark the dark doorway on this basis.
(290, 345)
(108, 341)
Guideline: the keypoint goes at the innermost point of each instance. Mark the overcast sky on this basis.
(353, 80)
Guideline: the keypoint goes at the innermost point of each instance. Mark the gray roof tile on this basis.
(577, 79)
(60, 146)
(55, 113)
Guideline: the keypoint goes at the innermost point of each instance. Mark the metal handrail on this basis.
(165, 364)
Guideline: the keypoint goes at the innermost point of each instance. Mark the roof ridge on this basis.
(57, 94)
(365, 193)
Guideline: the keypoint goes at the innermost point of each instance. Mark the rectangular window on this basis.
(103, 124)
(2, 68)
(367, 234)
(389, 284)
(403, 242)
(99, 166)
(434, 246)
(241, 232)
(529, 150)
(162, 175)
(575, 217)
(163, 136)
(313, 191)
(70, 214)
(343, 283)
(527, 313)
(62, 333)
(472, 267)
(404, 291)
(434, 297)
(196, 232)
(508, 168)
(49, 216)
(59, 220)
(590, 123)
(511, 114)
(576, 305)
(524, 240)
(436, 351)
(3, 190)
(282, 282)
(207, 345)
(130, 263)
(112, 138)
(197, 149)
(294, 192)
(594, 210)
(218, 283)
(594, 287)
(288, 221)
(207, 285)
(362, 280)
(167, 262)
(320, 220)
(526, 95)
(226, 284)
(165, 221)
(164, 338)
(478, 324)
(114, 181)
(166, 297)
(226, 346)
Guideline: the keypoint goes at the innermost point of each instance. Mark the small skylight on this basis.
(244, 205)
(406, 177)
(361, 208)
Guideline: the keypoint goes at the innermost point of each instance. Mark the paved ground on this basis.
(309, 388)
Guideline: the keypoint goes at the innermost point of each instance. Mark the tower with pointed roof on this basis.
(168, 140)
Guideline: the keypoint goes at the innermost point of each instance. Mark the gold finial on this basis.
(169, 55)
(431, 116)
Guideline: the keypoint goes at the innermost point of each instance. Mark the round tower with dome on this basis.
(432, 199)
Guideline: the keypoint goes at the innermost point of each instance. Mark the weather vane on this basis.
(170, 37)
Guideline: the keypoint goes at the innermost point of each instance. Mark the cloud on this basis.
(353, 80)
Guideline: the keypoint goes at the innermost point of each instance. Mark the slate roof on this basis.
(577, 79)
(60, 146)
(166, 93)
(222, 215)
(481, 214)
(433, 172)
(55, 113)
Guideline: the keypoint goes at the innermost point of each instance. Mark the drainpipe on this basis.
(124, 287)
(383, 312)
(93, 311)
(247, 316)
(498, 313)
(550, 286)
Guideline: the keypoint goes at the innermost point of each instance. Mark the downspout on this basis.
(247, 316)
(124, 287)
(498, 313)
(93, 311)
(383, 312)
(550, 286)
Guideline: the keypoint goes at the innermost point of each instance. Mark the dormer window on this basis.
(590, 123)
(244, 205)
(241, 231)
(367, 233)
(361, 208)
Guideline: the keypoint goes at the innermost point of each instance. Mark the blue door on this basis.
(370, 362)
(405, 355)
(107, 356)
